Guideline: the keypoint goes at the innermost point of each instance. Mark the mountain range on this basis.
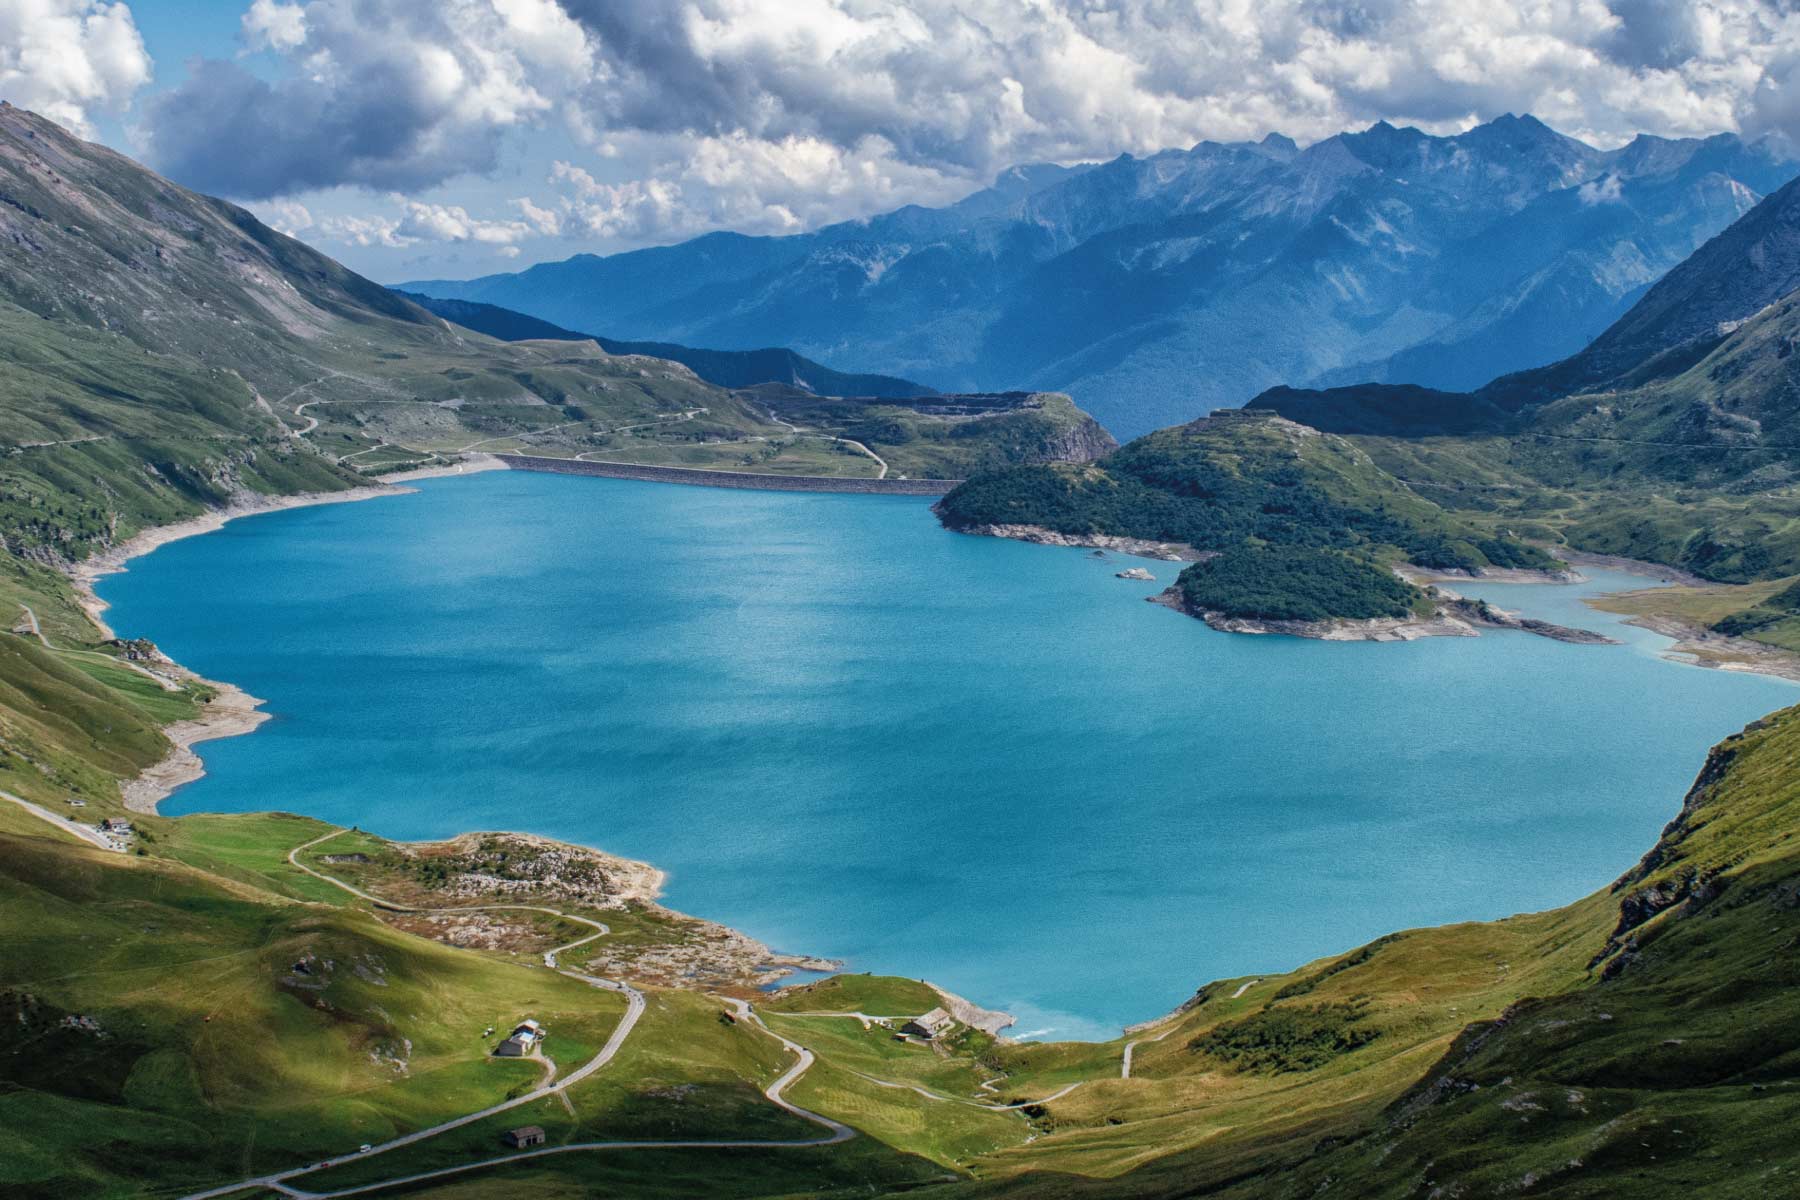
(171, 346)
(229, 1002)
(727, 368)
(1673, 437)
(1155, 289)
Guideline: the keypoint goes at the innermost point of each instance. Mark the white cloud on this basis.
(377, 93)
(776, 114)
(452, 223)
(364, 231)
(70, 59)
(410, 223)
(273, 25)
(289, 217)
(542, 220)
(1608, 189)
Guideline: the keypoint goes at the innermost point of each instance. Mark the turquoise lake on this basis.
(849, 732)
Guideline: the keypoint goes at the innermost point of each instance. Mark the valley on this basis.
(851, 733)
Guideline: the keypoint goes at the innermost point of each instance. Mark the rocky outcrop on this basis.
(1648, 890)
(1454, 617)
(1480, 612)
(1142, 547)
(1375, 629)
(1084, 441)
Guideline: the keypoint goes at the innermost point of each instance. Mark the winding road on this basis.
(836, 1131)
(86, 833)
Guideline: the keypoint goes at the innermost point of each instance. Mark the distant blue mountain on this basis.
(727, 368)
(1156, 289)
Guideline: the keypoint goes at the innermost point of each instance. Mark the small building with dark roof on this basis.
(932, 1024)
(523, 1136)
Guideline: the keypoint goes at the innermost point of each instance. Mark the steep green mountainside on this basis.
(296, 373)
(727, 368)
(174, 344)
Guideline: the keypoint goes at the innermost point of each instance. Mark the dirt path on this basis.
(836, 1130)
(797, 431)
(939, 1096)
(1125, 1066)
(31, 623)
(86, 833)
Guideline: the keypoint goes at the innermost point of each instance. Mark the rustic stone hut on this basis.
(933, 1024)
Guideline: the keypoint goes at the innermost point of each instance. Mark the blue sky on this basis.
(415, 138)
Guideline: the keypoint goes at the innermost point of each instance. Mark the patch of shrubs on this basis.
(1295, 583)
(1281, 1040)
(1777, 608)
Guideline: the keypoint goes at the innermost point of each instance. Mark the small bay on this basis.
(849, 732)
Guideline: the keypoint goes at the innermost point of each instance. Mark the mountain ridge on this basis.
(726, 368)
(1361, 256)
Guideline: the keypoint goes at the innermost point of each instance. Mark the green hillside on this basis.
(232, 996)
(221, 1014)
(1674, 438)
(212, 345)
(1324, 521)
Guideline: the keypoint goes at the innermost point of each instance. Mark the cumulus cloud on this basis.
(382, 93)
(273, 25)
(70, 59)
(411, 223)
(778, 114)
(289, 217)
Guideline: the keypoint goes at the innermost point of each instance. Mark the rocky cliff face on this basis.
(1084, 441)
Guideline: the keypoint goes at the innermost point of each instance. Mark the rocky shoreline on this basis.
(231, 710)
(1456, 616)
(706, 948)
(1042, 536)
(480, 870)
(1698, 646)
(1415, 574)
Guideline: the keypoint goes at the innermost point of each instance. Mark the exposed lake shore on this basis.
(242, 720)
(231, 711)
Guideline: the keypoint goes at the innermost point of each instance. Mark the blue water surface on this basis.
(851, 733)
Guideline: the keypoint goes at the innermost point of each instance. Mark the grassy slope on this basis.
(1658, 1068)
(212, 1055)
(210, 922)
